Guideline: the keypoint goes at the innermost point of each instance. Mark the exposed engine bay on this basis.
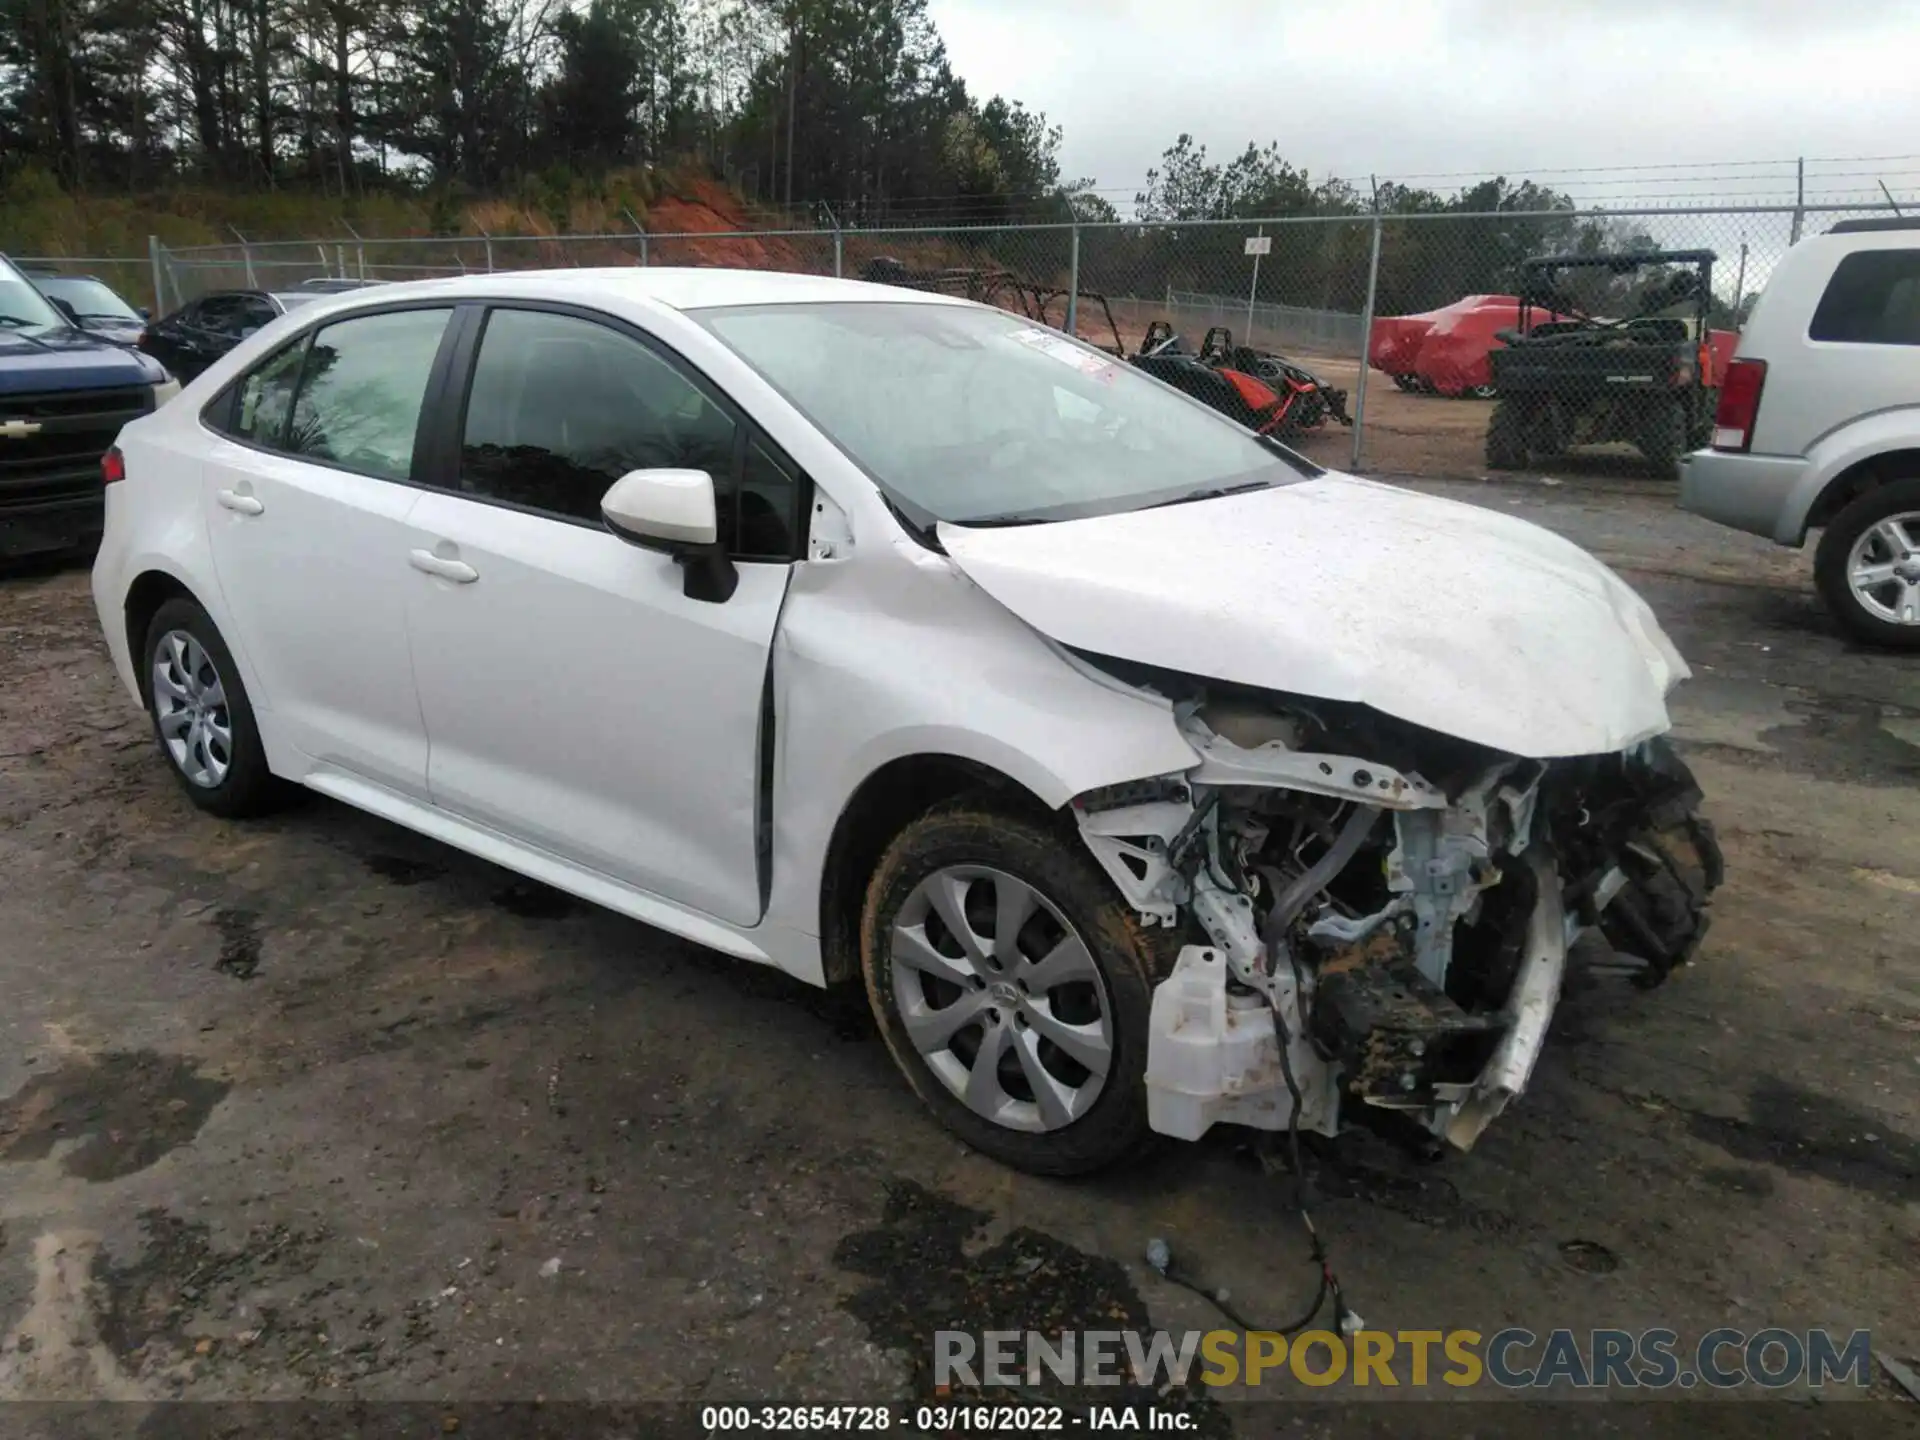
(1382, 914)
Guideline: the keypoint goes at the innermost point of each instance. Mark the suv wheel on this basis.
(1868, 565)
(1012, 986)
(201, 715)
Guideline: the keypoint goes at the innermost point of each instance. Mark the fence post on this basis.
(839, 254)
(359, 250)
(1073, 279)
(1366, 344)
(639, 229)
(246, 253)
(488, 241)
(1799, 200)
(159, 290)
(1253, 290)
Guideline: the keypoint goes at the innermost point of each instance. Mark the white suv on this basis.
(1148, 774)
(1819, 423)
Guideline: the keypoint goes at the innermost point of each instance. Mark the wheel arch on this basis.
(884, 803)
(150, 590)
(1855, 480)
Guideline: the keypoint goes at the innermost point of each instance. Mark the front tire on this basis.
(1867, 565)
(201, 716)
(1012, 986)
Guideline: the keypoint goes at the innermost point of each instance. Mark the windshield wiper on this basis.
(17, 321)
(1215, 493)
(1000, 522)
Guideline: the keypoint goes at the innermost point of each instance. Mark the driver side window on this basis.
(560, 408)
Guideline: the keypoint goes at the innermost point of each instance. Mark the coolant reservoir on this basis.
(1212, 1057)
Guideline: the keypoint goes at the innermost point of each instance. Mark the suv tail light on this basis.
(113, 466)
(1739, 405)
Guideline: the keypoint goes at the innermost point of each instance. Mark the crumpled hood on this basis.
(1471, 623)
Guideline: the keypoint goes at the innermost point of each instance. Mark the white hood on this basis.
(1471, 623)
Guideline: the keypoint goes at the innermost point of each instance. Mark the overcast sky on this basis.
(1410, 87)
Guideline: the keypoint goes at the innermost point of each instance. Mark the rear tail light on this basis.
(113, 466)
(1739, 405)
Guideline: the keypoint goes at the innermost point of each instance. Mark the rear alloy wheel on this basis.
(1868, 566)
(201, 715)
(1480, 392)
(1406, 382)
(1012, 987)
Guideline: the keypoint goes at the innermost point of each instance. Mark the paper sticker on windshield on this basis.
(1056, 346)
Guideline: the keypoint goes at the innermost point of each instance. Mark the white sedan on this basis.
(1149, 775)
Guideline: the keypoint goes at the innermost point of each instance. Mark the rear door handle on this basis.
(457, 571)
(243, 504)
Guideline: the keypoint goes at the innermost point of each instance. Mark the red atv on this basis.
(1267, 393)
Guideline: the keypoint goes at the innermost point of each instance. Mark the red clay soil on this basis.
(705, 207)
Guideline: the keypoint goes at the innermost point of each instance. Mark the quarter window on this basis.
(1873, 299)
(560, 408)
(361, 390)
(266, 398)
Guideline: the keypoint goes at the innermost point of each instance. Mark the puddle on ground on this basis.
(1834, 737)
(531, 900)
(1808, 1133)
(239, 943)
(126, 1108)
(400, 870)
(921, 1279)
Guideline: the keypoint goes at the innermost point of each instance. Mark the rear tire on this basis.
(1663, 438)
(1034, 1108)
(1406, 382)
(1854, 528)
(1507, 437)
(201, 716)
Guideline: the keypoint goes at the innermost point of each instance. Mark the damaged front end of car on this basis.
(1387, 911)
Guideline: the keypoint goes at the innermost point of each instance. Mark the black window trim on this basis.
(218, 414)
(462, 359)
(443, 410)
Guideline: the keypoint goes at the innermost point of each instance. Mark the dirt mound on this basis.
(705, 207)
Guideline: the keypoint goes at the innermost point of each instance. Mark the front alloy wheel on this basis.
(1000, 998)
(1012, 985)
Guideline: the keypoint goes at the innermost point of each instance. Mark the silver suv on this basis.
(1818, 424)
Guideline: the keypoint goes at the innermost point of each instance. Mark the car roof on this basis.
(687, 288)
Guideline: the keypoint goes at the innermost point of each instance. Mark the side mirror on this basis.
(144, 313)
(66, 308)
(674, 511)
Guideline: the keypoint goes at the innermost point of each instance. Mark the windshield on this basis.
(23, 308)
(978, 416)
(90, 299)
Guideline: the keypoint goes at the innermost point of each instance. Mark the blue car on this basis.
(64, 394)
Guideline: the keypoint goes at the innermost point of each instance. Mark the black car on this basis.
(89, 302)
(201, 331)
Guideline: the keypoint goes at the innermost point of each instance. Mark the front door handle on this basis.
(457, 571)
(243, 504)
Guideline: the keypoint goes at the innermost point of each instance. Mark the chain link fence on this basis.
(1441, 337)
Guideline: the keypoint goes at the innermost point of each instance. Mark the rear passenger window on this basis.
(361, 390)
(1873, 299)
(266, 399)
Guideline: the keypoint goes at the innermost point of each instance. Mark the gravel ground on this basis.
(313, 1107)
